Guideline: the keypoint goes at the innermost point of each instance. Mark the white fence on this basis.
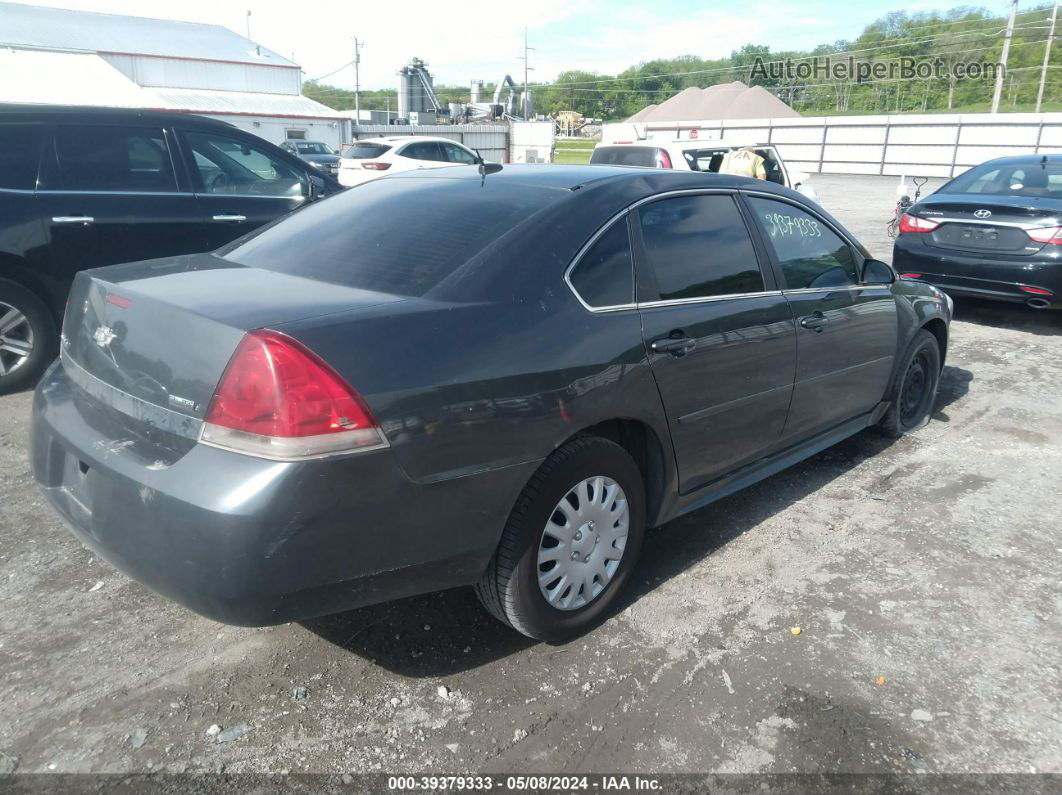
(519, 142)
(935, 145)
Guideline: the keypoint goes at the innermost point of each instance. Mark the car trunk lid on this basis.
(158, 335)
(972, 222)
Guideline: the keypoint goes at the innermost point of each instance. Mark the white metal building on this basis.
(53, 56)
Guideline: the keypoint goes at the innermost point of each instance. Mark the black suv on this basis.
(85, 187)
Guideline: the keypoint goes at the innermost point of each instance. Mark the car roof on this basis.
(1032, 156)
(399, 139)
(101, 114)
(693, 143)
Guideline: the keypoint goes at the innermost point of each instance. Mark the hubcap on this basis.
(915, 384)
(582, 543)
(16, 339)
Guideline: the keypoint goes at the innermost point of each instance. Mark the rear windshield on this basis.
(398, 235)
(363, 151)
(1031, 177)
(625, 156)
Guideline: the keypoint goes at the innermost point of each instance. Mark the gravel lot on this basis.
(924, 574)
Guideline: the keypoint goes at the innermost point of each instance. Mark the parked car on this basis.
(994, 231)
(547, 361)
(696, 155)
(316, 153)
(85, 187)
(371, 158)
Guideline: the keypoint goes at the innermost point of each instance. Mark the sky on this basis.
(462, 41)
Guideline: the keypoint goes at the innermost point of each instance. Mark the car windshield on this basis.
(1032, 177)
(399, 236)
(364, 151)
(644, 156)
(314, 148)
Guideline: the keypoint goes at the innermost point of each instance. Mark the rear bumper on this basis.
(998, 277)
(253, 542)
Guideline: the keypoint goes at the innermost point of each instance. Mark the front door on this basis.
(111, 194)
(846, 331)
(719, 337)
(240, 184)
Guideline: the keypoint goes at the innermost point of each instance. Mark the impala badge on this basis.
(104, 336)
(982, 213)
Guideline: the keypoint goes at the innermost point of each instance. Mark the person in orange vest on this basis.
(743, 162)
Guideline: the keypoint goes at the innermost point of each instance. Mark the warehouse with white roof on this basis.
(53, 56)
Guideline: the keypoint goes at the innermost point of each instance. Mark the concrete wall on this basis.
(934, 145)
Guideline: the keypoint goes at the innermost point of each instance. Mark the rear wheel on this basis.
(915, 391)
(570, 542)
(27, 337)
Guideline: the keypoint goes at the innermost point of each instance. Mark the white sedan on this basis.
(374, 157)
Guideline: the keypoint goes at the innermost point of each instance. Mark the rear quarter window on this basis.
(392, 235)
(604, 276)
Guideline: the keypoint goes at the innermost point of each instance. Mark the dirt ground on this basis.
(925, 576)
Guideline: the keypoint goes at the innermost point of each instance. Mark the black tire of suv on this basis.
(509, 587)
(921, 364)
(45, 336)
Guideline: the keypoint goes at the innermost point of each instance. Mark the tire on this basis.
(510, 587)
(915, 389)
(30, 340)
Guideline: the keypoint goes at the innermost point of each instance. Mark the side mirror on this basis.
(877, 272)
(316, 186)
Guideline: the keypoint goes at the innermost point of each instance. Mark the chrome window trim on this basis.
(622, 214)
(706, 299)
(61, 192)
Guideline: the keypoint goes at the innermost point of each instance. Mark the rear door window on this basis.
(699, 247)
(113, 158)
(425, 150)
(20, 154)
(604, 276)
(811, 255)
(232, 166)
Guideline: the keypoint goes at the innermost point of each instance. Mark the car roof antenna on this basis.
(1043, 162)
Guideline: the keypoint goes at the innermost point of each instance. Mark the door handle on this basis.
(814, 322)
(233, 218)
(84, 220)
(676, 346)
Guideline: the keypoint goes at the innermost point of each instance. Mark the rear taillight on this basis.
(1046, 234)
(1025, 288)
(663, 159)
(277, 399)
(376, 166)
(910, 275)
(910, 224)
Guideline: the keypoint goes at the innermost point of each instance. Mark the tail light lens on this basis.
(663, 159)
(376, 166)
(910, 224)
(279, 400)
(912, 276)
(1046, 234)
(1025, 288)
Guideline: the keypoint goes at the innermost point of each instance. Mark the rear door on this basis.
(115, 193)
(846, 331)
(427, 154)
(719, 335)
(240, 184)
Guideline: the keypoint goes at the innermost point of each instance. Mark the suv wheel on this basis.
(570, 543)
(27, 337)
(915, 391)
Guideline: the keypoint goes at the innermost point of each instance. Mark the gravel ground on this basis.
(924, 575)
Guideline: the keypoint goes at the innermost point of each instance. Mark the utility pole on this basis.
(248, 24)
(1047, 57)
(526, 69)
(1003, 57)
(357, 78)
